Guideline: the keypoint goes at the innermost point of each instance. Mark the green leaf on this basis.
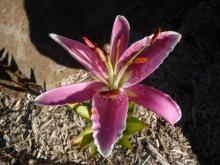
(125, 142)
(72, 106)
(133, 125)
(83, 110)
(79, 138)
(131, 108)
(87, 139)
(92, 150)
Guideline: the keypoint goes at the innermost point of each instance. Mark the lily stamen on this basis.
(140, 60)
(94, 47)
(156, 34)
(101, 54)
(89, 43)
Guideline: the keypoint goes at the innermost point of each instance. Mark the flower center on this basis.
(116, 77)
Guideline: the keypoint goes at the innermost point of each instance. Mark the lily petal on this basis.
(120, 37)
(89, 59)
(151, 57)
(73, 93)
(159, 102)
(109, 113)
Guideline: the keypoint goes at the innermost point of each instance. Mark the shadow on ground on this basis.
(191, 76)
(94, 19)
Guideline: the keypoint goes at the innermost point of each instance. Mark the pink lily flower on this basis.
(118, 71)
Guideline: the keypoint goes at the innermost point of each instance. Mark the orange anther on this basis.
(89, 43)
(140, 60)
(155, 36)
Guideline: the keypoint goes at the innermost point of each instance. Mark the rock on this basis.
(14, 30)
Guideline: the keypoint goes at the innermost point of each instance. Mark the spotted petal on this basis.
(120, 37)
(150, 58)
(109, 112)
(73, 93)
(88, 58)
(160, 103)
